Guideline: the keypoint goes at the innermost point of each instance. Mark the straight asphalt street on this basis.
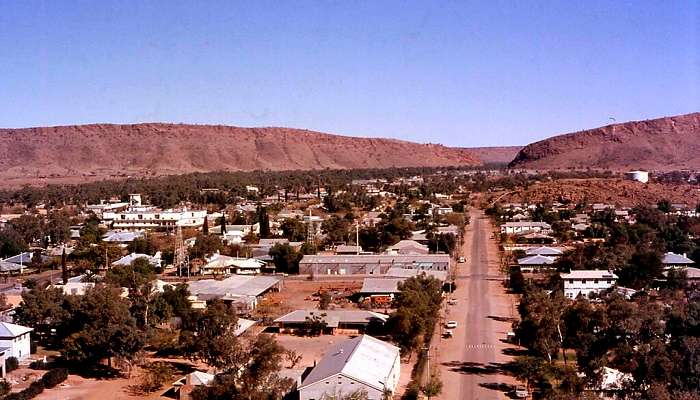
(471, 363)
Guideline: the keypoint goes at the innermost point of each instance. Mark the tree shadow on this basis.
(515, 352)
(473, 368)
(508, 390)
(501, 319)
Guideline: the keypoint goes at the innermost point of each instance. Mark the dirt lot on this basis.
(299, 294)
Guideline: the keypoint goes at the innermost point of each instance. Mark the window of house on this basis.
(609, 282)
(595, 281)
(583, 281)
(140, 216)
(571, 281)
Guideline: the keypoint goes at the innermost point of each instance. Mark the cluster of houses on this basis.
(539, 257)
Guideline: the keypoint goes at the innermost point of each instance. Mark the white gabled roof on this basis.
(588, 274)
(11, 330)
(676, 259)
(364, 359)
(536, 260)
(544, 251)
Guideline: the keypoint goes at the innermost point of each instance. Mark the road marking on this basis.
(481, 346)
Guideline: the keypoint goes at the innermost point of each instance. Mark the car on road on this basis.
(451, 324)
(447, 333)
(520, 392)
(461, 260)
(452, 302)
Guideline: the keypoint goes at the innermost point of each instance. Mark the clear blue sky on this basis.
(459, 73)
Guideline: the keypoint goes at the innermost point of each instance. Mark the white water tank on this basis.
(639, 176)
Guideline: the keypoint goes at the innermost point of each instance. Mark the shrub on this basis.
(39, 365)
(34, 389)
(5, 387)
(54, 377)
(11, 364)
(154, 376)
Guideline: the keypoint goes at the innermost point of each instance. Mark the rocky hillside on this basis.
(75, 153)
(658, 144)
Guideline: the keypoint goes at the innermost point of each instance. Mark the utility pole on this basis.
(180, 252)
(357, 237)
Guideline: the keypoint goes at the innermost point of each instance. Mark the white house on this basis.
(16, 338)
(525, 226)
(361, 364)
(585, 282)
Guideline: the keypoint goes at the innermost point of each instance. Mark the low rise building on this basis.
(16, 340)
(514, 228)
(362, 364)
(350, 322)
(371, 264)
(587, 282)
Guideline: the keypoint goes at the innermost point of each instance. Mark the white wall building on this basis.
(585, 282)
(17, 339)
(359, 364)
(513, 228)
(147, 217)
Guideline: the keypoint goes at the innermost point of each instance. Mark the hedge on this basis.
(54, 377)
(50, 379)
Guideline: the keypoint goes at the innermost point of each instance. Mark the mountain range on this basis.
(72, 154)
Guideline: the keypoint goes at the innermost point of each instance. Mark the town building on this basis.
(587, 282)
(408, 247)
(673, 260)
(17, 339)
(139, 217)
(535, 263)
(241, 291)
(349, 322)
(514, 228)
(371, 264)
(361, 364)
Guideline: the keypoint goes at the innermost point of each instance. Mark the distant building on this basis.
(349, 322)
(371, 264)
(513, 228)
(639, 176)
(673, 260)
(361, 364)
(535, 263)
(408, 247)
(139, 217)
(241, 291)
(587, 282)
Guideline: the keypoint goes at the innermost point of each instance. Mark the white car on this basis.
(452, 302)
(521, 392)
(451, 324)
(447, 333)
(461, 260)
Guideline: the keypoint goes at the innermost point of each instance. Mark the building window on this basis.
(571, 281)
(595, 281)
(609, 282)
(583, 281)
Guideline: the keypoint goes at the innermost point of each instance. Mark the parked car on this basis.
(461, 260)
(521, 392)
(452, 302)
(451, 324)
(447, 333)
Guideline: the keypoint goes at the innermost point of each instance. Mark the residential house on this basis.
(673, 260)
(128, 259)
(362, 364)
(587, 282)
(408, 247)
(17, 339)
(514, 228)
(535, 263)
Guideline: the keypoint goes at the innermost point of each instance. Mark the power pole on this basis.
(180, 253)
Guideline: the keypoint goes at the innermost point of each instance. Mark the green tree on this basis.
(102, 328)
(11, 242)
(433, 387)
(210, 336)
(293, 229)
(286, 259)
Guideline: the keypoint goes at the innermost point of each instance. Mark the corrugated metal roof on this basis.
(11, 330)
(544, 251)
(364, 358)
(536, 260)
(676, 259)
(588, 274)
(237, 285)
(381, 285)
(398, 272)
(375, 259)
(339, 316)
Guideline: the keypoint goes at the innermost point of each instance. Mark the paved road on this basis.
(471, 362)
